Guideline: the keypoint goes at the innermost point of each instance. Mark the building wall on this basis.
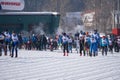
(23, 22)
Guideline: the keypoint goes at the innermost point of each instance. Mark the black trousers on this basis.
(104, 50)
(65, 47)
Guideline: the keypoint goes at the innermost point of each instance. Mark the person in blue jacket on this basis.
(97, 37)
(25, 40)
(104, 44)
(34, 40)
(93, 46)
(60, 41)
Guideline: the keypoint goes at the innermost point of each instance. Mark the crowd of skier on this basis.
(85, 43)
(90, 44)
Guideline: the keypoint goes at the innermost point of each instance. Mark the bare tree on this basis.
(103, 9)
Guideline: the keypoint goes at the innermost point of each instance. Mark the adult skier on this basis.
(65, 44)
(14, 44)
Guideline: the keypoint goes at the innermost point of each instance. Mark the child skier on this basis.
(104, 44)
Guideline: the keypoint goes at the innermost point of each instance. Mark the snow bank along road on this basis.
(46, 65)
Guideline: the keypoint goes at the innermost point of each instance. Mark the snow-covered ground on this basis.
(47, 65)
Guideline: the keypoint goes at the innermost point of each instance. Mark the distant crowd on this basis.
(85, 43)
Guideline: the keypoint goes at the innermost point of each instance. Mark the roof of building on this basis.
(29, 13)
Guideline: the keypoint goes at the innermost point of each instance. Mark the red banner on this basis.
(12, 4)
